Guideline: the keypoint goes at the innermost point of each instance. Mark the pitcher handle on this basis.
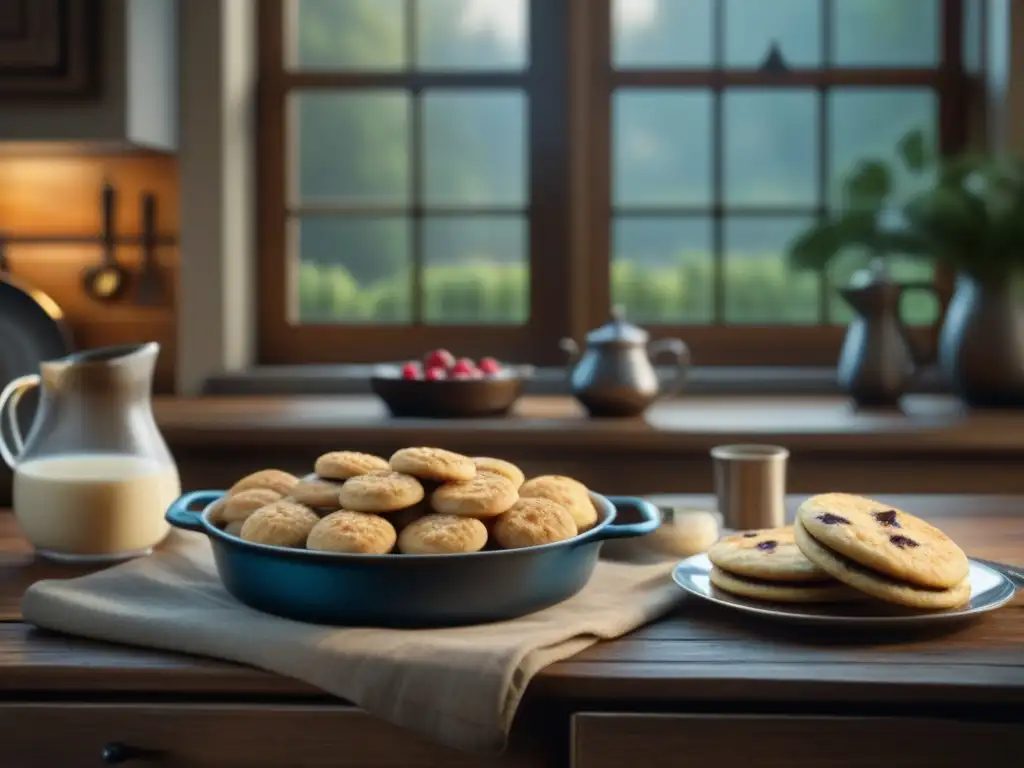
(678, 349)
(9, 399)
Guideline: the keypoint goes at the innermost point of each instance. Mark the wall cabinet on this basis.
(48, 48)
(90, 74)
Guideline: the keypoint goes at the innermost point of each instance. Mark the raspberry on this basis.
(436, 374)
(489, 365)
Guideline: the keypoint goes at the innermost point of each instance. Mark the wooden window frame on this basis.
(569, 203)
(544, 83)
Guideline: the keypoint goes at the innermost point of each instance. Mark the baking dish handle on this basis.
(181, 515)
(651, 519)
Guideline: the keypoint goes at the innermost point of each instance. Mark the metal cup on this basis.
(750, 483)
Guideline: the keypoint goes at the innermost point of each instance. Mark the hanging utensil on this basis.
(108, 280)
(5, 268)
(150, 284)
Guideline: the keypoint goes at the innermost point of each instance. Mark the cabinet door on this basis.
(51, 735)
(743, 741)
(48, 47)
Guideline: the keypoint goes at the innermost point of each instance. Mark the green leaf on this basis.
(868, 185)
(914, 151)
(951, 220)
(816, 246)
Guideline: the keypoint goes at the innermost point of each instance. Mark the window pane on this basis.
(354, 270)
(474, 148)
(661, 33)
(974, 35)
(662, 148)
(886, 33)
(868, 123)
(475, 270)
(771, 153)
(918, 307)
(759, 285)
(752, 27)
(471, 34)
(349, 34)
(662, 269)
(352, 147)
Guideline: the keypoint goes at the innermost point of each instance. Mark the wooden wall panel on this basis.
(53, 200)
(60, 195)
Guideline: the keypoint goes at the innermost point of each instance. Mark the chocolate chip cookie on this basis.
(883, 539)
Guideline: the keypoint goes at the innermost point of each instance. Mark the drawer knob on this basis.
(116, 753)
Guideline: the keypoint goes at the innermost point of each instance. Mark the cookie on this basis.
(569, 493)
(433, 464)
(234, 529)
(884, 539)
(442, 535)
(506, 469)
(381, 491)
(316, 492)
(486, 495)
(687, 532)
(239, 506)
(281, 524)
(341, 465)
(830, 591)
(767, 555)
(274, 479)
(876, 584)
(351, 532)
(532, 522)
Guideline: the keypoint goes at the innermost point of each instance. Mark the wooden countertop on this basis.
(699, 655)
(928, 424)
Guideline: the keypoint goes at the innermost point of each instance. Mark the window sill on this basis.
(708, 380)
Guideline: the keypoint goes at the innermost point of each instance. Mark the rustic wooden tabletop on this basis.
(699, 654)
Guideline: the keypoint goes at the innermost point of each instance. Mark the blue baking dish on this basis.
(407, 590)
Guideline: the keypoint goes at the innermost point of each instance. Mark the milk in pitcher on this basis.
(94, 506)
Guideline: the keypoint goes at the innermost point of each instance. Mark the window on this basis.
(492, 175)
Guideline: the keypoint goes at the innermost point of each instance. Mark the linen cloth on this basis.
(458, 686)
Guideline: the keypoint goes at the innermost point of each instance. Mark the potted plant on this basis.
(877, 359)
(972, 220)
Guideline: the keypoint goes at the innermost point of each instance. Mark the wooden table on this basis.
(703, 683)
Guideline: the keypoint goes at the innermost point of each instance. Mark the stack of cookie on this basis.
(845, 547)
(883, 552)
(423, 501)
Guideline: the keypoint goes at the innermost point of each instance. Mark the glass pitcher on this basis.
(93, 478)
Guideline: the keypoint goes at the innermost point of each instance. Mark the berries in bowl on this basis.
(444, 386)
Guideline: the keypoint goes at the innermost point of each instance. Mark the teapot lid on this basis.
(618, 330)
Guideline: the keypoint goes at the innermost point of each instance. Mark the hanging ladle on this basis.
(108, 280)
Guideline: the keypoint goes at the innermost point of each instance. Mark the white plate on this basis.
(989, 590)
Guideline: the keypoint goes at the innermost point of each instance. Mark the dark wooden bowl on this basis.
(449, 399)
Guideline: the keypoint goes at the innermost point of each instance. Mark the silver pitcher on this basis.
(615, 376)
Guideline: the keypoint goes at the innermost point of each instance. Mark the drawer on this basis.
(608, 740)
(207, 736)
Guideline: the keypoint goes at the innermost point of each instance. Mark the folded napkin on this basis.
(459, 687)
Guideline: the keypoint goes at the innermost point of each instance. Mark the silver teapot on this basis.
(615, 375)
